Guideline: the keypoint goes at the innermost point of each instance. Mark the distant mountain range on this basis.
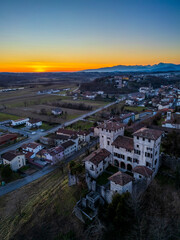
(161, 67)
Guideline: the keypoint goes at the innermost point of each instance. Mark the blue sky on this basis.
(77, 33)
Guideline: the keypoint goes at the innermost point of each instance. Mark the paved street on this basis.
(24, 181)
(36, 136)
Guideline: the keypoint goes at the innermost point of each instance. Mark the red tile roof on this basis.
(28, 155)
(56, 150)
(148, 133)
(11, 155)
(112, 126)
(67, 144)
(32, 145)
(98, 156)
(7, 137)
(124, 142)
(66, 132)
(143, 170)
(121, 178)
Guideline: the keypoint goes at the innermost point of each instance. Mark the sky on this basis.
(72, 35)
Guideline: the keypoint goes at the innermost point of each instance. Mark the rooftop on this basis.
(67, 144)
(32, 145)
(143, 170)
(98, 156)
(124, 142)
(11, 155)
(112, 126)
(65, 132)
(121, 178)
(7, 137)
(148, 133)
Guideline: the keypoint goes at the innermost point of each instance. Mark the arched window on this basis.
(129, 167)
(116, 163)
(123, 165)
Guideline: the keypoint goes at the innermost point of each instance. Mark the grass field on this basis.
(5, 116)
(40, 210)
(134, 109)
(81, 125)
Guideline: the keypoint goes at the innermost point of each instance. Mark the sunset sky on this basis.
(71, 35)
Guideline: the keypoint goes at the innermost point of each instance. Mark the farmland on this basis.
(28, 103)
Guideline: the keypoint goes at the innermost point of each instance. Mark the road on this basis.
(35, 137)
(26, 180)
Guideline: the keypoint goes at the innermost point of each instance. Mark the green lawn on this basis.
(112, 169)
(103, 179)
(46, 126)
(6, 116)
(134, 109)
(81, 125)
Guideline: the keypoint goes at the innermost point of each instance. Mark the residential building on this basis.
(32, 147)
(121, 182)
(19, 122)
(52, 155)
(15, 159)
(97, 162)
(69, 148)
(57, 111)
(7, 138)
(32, 123)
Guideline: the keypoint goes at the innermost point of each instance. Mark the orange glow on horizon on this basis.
(58, 67)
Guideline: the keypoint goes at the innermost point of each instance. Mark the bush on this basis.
(6, 172)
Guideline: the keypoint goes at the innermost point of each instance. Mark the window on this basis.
(148, 164)
(135, 160)
(149, 140)
(129, 159)
(138, 138)
(139, 176)
(108, 143)
(149, 149)
(137, 146)
(137, 151)
(147, 154)
(143, 139)
(155, 162)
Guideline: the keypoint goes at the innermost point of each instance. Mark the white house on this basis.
(172, 120)
(97, 162)
(34, 123)
(32, 147)
(15, 159)
(57, 111)
(121, 182)
(142, 172)
(69, 148)
(129, 102)
(19, 122)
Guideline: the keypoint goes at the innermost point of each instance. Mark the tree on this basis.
(6, 172)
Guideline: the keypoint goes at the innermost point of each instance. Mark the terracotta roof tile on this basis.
(143, 170)
(112, 126)
(148, 133)
(121, 178)
(98, 156)
(11, 155)
(124, 142)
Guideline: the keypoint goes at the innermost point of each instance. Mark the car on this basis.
(33, 133)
